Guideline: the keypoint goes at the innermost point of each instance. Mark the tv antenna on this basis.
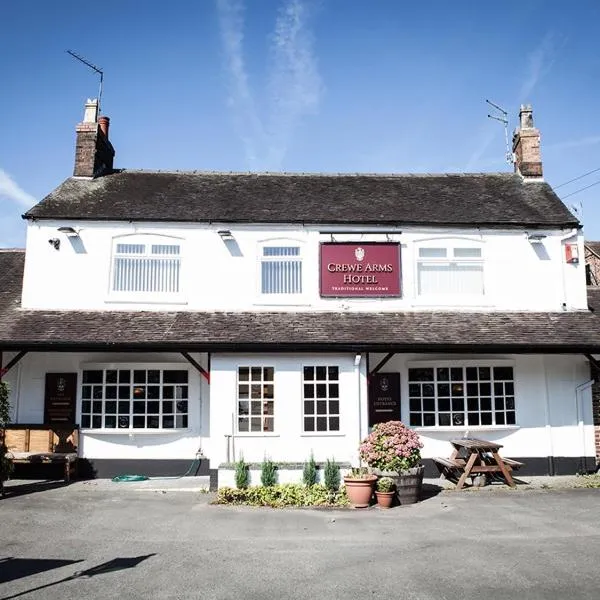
(503, 118)
(94, 68)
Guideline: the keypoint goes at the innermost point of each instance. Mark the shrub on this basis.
(282, 495)
(391, 446)
(331, 476)
(309, 474)
(385, 484)
(6, 465)
(268, 473)
(242, 474)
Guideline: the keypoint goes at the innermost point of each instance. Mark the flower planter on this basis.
(360, 491)
(385, 499)
(409, 484)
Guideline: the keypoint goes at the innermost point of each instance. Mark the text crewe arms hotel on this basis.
(359, 268)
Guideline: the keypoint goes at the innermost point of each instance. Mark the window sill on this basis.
(328, 434)
(132, 432)
(281, 302)
(145, 300)
(256, 435)
(455, 428)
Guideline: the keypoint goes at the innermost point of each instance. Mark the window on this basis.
(256, 393)
(321, 399)
(451, 271)
(280, 269)
(461, 396)
(146, 267)
(134, 399)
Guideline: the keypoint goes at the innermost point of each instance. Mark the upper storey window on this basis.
(148, 266)
(280, 269)
(450, 270)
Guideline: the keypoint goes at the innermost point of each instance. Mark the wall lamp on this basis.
(226, 235)
(536, 238)
(69, 231)
(55, 243)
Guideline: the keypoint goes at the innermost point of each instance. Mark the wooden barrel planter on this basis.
(409, 484)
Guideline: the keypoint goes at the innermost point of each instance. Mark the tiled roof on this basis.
(494, 200)
(301, 331)
(593, 247)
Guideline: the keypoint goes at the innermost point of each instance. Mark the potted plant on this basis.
(359, 486)
(385, 492)
(394, 450)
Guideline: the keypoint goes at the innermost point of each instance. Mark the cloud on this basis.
(293, 88)
(12, 191)
(586, 141)
(539, 64)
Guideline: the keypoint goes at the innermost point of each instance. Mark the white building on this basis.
(282, 314)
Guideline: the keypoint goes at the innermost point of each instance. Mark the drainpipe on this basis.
(580, 415)
(561, 239)
(548, 422)
(357, 361)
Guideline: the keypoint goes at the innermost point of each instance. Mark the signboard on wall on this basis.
(60, 398)
(384, 398)
(368, 269)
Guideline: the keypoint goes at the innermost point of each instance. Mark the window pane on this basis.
(268, 424)
(139, 377)
(422, 374)
(110, 422)
(321, 390)
(92, 377)
(153, 422)
(181, 421)
(432, 252)
(309, 373)
(309, 390)
(268, 373)
(168, 422)
(123, 422)
(125, 376)
(334, 407)
(244, 373)
(321, 423)
(334, 423)
(243, 391)
(309, 407)
(467, 252)
(443, 374)
(255, 424)
(334, 390)
(449, 278)
(321, 373)
(172, 376)
(416, 420)
(445, 419)
(110, 392)
(309, 424)
(505, 373)
(243, 408)
(243, 425)
(333, 373)
(256, 374)
(111, 376)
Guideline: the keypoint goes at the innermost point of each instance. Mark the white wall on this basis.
(182, 444)
(547, 419)
(288, 443)
(222, 275)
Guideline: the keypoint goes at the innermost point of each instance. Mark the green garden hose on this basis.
(127, 478)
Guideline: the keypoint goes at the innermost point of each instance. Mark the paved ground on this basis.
(113, 541)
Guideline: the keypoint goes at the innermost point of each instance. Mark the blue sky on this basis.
(298, 85)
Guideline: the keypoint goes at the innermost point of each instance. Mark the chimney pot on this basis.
(104, 123)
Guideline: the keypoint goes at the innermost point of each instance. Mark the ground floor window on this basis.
(321, 398)
(461, 396)
(134, 399)
(256, 399)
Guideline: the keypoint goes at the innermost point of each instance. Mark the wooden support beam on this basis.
(382, 363)
(197, 365)
(11, 363)
(595, 366)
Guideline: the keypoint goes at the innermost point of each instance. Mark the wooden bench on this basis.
(515, 464)
(449, 467)
(43, 445)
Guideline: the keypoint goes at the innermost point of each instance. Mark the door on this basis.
(384, 398)
(60, 398)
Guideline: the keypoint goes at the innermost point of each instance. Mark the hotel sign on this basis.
(369, 269)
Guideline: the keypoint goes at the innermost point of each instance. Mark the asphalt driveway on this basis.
(103, 542)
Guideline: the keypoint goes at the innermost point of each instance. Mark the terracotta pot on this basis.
(385, 499)
(360, 491)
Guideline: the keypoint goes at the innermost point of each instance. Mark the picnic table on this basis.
(472, 456)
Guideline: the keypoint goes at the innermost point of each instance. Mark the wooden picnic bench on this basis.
(43, 445)
(472, 456)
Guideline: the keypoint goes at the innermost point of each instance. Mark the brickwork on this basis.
(592, 258)
(526, 145)
(596, 414)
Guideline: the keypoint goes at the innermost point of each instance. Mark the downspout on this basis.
(561, 239)
(580, 424)
(357, 361)
(548, 422)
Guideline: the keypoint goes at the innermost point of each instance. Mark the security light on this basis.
(69, 231)
(226, 235)
(536, 238)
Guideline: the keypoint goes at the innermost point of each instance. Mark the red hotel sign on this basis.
(360, 269)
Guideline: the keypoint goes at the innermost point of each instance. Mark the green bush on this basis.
(331, 475)
(588, 481)
(6, 465)
(242, 474)
(268, 473)
(282, 495)
(309, 474)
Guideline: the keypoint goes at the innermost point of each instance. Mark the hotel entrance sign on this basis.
(369, 269)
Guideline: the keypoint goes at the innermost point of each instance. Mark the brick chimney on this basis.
(94, 153)
(526, 145)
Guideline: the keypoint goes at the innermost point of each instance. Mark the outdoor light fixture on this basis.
(55, 243)
(226, 235)
(357, 360)
(536, 238)
(69, 231)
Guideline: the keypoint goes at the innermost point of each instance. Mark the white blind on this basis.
(281, 270)
(146, 268)
(456, 271)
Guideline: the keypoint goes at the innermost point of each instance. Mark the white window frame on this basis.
(448, 364)
(278, 298)
(148, 240)
(263, 415)
(130, 430)
(450, 245)
(327, 399)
